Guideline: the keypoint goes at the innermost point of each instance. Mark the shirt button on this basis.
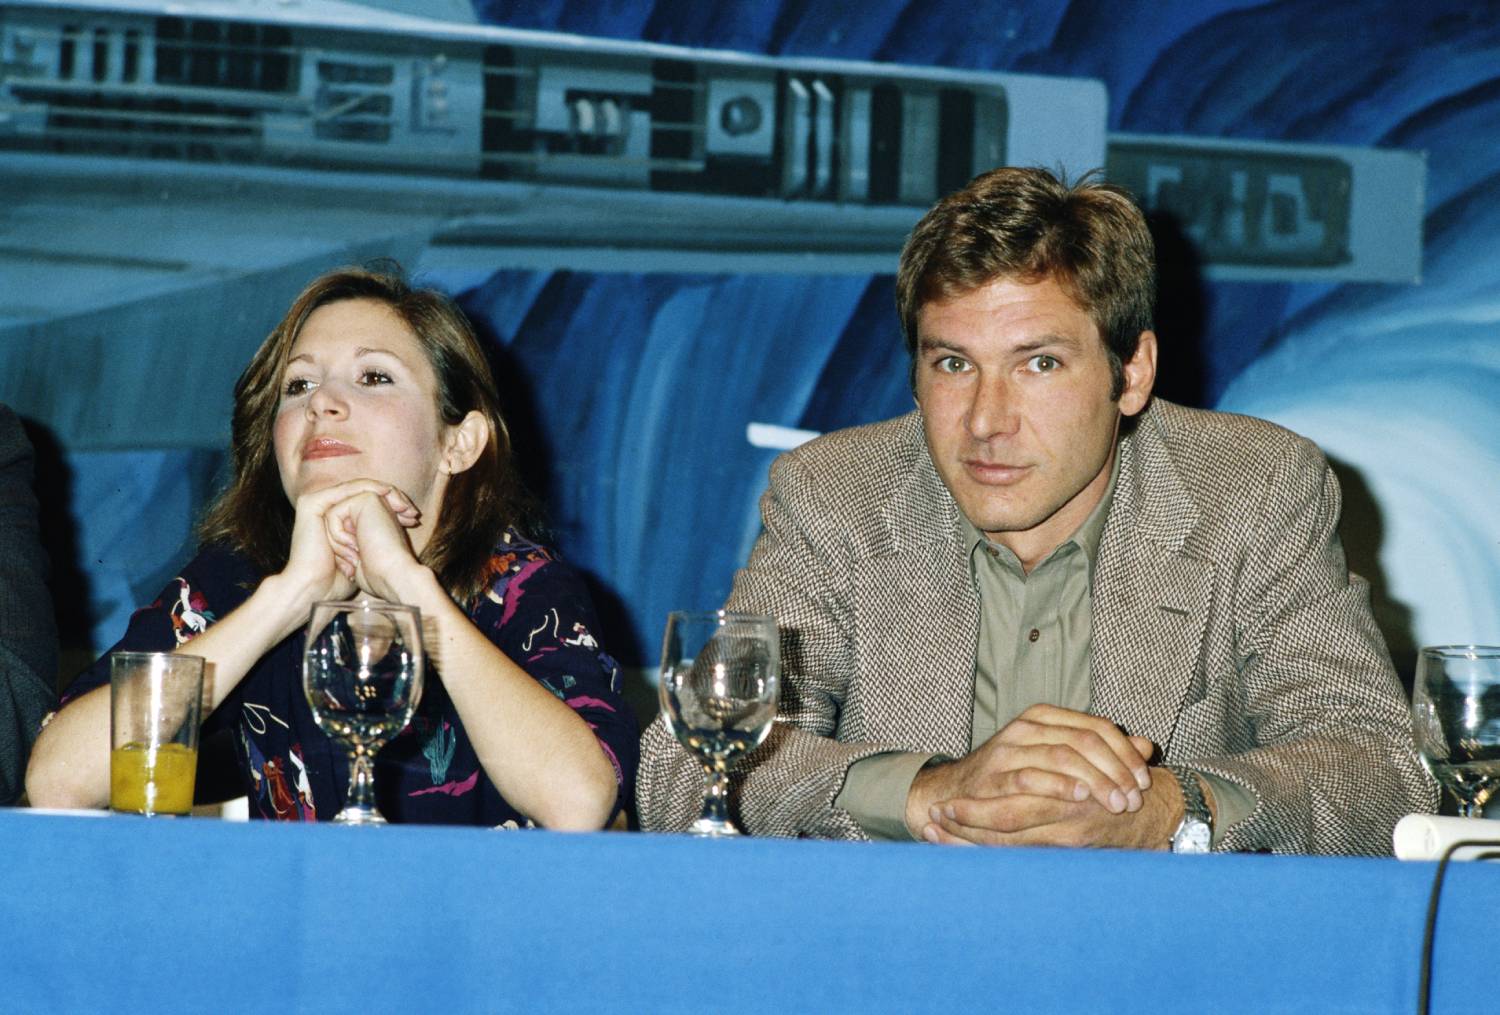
(994, 553)
(1034, 635)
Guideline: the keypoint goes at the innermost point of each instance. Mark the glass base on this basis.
(355, 815)
(709, 828)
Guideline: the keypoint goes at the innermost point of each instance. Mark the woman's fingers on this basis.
(367, 532)
(319, 502)
(402, 507)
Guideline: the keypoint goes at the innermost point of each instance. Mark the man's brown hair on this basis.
(253, 514)
(1028, 225)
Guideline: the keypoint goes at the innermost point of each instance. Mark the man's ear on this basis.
(1140, 375)
(465, 443)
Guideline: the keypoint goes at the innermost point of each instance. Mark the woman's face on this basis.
(359, 401)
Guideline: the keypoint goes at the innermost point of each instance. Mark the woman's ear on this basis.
(465, 443)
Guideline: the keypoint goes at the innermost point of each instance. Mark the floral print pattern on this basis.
(534, 608)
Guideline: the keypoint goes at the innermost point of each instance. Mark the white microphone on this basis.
(1428, 836)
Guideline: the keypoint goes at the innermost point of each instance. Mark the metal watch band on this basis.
(1188, 838)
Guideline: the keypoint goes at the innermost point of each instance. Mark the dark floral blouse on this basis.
(535, 609)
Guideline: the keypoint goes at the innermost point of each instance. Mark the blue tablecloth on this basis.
(127, 914)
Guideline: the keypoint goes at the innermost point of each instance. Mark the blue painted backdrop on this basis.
(632, 392)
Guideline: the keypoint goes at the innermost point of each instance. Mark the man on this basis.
(1044, 609)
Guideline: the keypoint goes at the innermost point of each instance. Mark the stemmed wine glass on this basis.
(720, 677)
(362, 674)
(1456, 712)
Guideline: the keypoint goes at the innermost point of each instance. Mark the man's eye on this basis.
(296, 386)
(1043, 364)
(952, 364)
(370, 378)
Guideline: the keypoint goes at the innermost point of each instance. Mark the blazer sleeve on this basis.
(1333, 763)
(28, 632)
(788, 785)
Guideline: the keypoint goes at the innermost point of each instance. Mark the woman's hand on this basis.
(367, 534)
(70, 762)
(314, 570)
(538, 752)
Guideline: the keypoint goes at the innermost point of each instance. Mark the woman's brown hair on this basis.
(253, 514)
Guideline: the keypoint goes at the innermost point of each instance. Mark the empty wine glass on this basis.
(1456, 712)
(362, 674)
(720, 677)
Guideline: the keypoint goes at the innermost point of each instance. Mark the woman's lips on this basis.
(326, 447)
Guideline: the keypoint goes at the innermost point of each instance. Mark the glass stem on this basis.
(362, 781)
(716, 795)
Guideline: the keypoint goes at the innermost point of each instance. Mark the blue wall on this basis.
(631, 393)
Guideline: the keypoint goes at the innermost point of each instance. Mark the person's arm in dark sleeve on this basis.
(28, 631)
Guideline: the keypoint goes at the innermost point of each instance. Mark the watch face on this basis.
(1192, 837)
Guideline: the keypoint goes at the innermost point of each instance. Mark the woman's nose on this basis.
(327, 400)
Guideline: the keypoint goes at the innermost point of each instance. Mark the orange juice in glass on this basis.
(156, 702)
(152, 780)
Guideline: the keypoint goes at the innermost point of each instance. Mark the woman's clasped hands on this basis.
(352, 537)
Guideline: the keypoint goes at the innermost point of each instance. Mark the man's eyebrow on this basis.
(932, 345)
(1034, 344)
(1047, 341)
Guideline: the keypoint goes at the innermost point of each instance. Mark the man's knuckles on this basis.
(1036, 782)
(1061, 757)
(1007, 815)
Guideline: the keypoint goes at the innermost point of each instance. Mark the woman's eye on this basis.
(296, 386)
(1043, 364)
(371, 378)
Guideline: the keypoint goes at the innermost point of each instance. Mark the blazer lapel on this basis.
(922, 617)
(1151, 599)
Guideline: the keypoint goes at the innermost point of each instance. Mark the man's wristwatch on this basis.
(1196, 832)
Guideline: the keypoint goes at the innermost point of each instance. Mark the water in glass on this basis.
(362, 673)
(720, 680)
(1456, 718)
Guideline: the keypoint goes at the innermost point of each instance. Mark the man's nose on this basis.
(993, 411)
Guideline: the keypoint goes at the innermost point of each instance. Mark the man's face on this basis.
(1013, 381)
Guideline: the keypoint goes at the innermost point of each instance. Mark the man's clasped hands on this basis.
(1052, 776)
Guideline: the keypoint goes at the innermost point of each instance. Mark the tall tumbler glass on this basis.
(156, 704)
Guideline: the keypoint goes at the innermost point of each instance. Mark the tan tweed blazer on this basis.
(1226, 628)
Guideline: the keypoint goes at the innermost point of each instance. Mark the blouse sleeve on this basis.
(537, 611)
(211, 585)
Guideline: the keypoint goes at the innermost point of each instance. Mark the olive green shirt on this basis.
(1035, 636)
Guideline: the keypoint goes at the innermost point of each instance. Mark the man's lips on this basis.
(995, 473)
(326, 447)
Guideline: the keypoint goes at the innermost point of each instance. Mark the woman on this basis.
(370, 457)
